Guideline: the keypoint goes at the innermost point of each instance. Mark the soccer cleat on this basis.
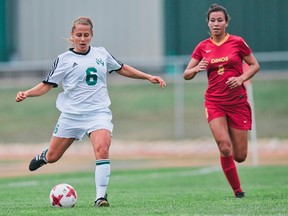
(240, 195)
(102, 202)
(38, 161)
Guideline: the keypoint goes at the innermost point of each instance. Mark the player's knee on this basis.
(102, 151)
(240, 158)
(225, 148)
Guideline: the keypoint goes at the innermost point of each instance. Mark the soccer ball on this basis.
(63, 195)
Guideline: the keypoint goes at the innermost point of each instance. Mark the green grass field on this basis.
(143, 112)
(177, 191)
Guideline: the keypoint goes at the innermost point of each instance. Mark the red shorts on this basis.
(238, 116)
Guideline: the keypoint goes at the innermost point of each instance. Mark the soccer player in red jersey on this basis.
(227, 109)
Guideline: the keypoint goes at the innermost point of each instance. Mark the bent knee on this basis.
(240, 156)
(240, 159)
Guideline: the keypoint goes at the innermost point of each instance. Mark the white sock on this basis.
(102, 175)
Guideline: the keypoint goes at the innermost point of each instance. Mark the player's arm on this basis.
(194, 66)
(253, 68)
(131, 72)
(36, 91)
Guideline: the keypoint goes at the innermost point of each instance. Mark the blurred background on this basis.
(156, 36)
(35, 31)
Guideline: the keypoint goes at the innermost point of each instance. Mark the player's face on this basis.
(81, 36)
(217, 24)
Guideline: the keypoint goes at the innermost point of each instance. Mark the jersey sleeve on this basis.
(197, 54)
(56, 73)
(244, 49)
(113, 64)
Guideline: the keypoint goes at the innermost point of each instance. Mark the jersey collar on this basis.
(78, 53)
(221, 42)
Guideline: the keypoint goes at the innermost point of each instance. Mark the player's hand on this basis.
(20, 96)
(202, 65)
(234, 82)
(157, 79)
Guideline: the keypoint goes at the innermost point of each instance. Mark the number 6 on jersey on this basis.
(91, 78)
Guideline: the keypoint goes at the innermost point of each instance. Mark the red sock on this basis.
(230, 171)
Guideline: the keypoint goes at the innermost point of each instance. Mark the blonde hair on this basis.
(81, 20)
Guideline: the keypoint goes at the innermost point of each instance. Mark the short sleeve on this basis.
(244, 49)
(113, 64)
(197, 54)
(56, 74)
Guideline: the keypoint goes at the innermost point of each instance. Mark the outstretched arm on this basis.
(36, 91)
(131, 72)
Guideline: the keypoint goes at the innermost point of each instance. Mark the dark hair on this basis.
(216, 8)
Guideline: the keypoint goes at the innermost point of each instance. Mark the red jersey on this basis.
(225, 60)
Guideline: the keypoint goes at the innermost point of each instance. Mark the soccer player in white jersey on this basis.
(84, 103)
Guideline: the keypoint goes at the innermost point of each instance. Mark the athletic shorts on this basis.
(77, 125)
(238, 116)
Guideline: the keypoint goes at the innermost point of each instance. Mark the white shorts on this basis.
(77, 125)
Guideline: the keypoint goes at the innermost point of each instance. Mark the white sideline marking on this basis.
(168, 174)
(202, 171)
(22, 184)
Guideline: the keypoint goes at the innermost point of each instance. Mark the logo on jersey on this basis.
(100, 61)
(217, 60)
(74, 65)
(207, 51)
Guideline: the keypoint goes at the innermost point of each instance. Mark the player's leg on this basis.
(57, 147)
(240, 121)
(220, 131)
(240, 144)
(101, 140)
(55, 151)
(70, 127)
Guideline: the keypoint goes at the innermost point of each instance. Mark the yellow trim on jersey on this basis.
(221, 42)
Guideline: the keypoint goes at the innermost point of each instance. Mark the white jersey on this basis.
(83, 77)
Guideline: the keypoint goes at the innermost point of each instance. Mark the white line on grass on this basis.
(168, 174)
(22, 184)
(202, 171)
